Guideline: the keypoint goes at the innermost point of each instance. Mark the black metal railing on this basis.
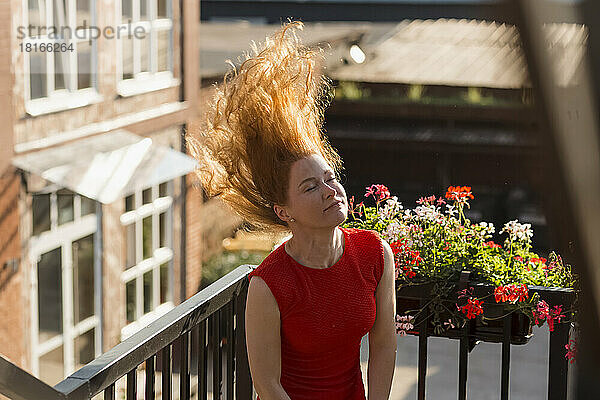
(209, 326)
(468, 337)
(205, 337)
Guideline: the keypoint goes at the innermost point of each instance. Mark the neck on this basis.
(316, 249)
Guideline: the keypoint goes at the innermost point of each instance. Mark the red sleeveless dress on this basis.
(324, 315)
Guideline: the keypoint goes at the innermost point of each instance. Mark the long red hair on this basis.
(265, 116)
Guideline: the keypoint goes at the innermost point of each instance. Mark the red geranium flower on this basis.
(459, 193)
(511, 293)
(472, 308)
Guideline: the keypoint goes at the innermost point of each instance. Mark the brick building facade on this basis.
(94, 216)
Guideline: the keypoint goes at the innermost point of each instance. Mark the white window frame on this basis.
(160, 255)
(63, 236)
(71, 96)
(143, 82)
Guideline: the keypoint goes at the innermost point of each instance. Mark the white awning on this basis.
(109, 166)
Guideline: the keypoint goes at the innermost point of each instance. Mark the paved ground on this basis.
(528, 370)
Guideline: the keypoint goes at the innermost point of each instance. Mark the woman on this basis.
(313, 298)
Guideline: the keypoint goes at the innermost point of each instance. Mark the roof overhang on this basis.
(108, 166)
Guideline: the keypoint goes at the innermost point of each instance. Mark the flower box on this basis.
(454, 281)
(412, 297)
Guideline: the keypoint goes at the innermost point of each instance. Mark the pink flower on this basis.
(427, 200)
(355, 209)
(543, 312)
(449, 324)
(404, 324)
(571, 351)
(468, 292)
(379, 192)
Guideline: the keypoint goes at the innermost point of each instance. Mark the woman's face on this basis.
(315, 198)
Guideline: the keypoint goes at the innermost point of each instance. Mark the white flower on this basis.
(393, 231)
(518, 231)
(426, 213)
(487, 229)
(390, 209)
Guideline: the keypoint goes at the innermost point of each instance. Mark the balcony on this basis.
(200, 345)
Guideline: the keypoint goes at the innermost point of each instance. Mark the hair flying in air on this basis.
(267, 114)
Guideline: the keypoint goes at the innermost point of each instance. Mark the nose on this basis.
(329, 190)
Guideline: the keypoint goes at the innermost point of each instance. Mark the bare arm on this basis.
(382, 337)
(263, 340)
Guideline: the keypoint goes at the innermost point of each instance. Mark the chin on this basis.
(341, 218)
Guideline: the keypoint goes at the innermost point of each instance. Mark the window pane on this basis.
(84, 349)
(148, 292)
(164, 42)
(143, 10)
(88, 206)
(83, 278)
(84, 18)
(37, 17)
(162, 9)
(145, 52)
(165, 288)
(126, 11)
(147, 237)
(162, 222)
(37, 75)
(130, 202)
(65, 206)
(50, 295)
(60, 21)
(41, 213)
(130, 245)
(147, 196)
(130, 299)
(60, 61)
(127, 43)
(52, 366)
(162, 190)
(84, 65)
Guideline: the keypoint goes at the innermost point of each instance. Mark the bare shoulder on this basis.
(260, 298)
(387, 252)
(388, 263)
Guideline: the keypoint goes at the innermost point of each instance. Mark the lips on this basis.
(333, 205)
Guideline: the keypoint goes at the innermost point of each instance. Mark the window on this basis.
(147, 273)
(65, 323)
(145, 47)
(60, 55)
(57, 208)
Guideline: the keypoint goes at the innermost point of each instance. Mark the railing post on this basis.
(557, 363)
(243, 383)
(202, 362)
(229, 346)
(184, 371)
(463, 363)
(422, 356)
(166, 373)
(504, 384)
